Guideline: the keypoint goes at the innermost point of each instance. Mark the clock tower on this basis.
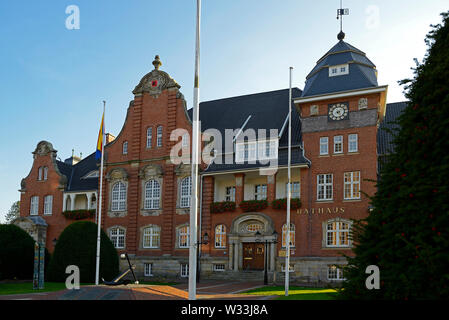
(340, 109)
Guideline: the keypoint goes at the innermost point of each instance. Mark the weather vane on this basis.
(340, 13)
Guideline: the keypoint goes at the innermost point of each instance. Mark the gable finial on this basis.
(157, 62)
(340, 13)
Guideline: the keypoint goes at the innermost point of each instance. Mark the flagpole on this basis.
(289, 189)
(193, 247)
(97, 268)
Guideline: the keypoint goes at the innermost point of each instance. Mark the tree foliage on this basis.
(14, 212)
(16, 253)
(407, 234)
(77, 245)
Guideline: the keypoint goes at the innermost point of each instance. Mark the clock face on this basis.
(338, 111)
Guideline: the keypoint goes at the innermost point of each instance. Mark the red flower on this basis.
(403, 175)
(411, 195)
(403, 234)
(433, 228)
(435, 190)
(439, 233)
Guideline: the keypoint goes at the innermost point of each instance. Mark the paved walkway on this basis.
(210, 290)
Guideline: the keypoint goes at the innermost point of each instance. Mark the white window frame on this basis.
(34, 206)
(352, 184)
(159, 132)
(292, 235)
(290, 269)
(151, 237)
(185, 192)
(118, 197)
(48, 205)
(338, 140)
(260, 192)
(338, 273)
(324, 146)
(125, 147)
(152, 195)
(39, 174)
(116, 234)
(219, 267)
(185, 140)
(183, 234)
(230, 193)
(295, 193)
(220, 236)
(337, 70)
(334, 235)
(184, 270)
(149, 137)
(326, 186)
(353, 144)
(45, 173)
(148, 269)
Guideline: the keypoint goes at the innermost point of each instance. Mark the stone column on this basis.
(89, 199)
(236, 257)
(240, 256)
(72, 202)
(231, 255)
(64, 202)
(272, 255)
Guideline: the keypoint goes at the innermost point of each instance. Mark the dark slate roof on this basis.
(362, 72)
(384, 136)
(268, 110)
(75, 174)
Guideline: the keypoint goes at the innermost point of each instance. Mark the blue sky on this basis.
(53, 80)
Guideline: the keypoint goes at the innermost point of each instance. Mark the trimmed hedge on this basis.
(16, 253)
(253, 205)
(295, 203)
(79, 214)
(77, 245)
(224, 206)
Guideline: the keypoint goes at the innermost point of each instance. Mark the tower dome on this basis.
(342, 68)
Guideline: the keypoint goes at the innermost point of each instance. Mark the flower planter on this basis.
(253, 205)
(224, 206)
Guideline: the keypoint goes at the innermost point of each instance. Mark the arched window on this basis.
(118, 197)
(186, 192)
(149, 137)
(337, 233)
(152, 194)
(183, 237)
(220, 236)
(284, 235)
(117, 236)
(125, 147)
(45, 173)
(151, 237)
(159, 136)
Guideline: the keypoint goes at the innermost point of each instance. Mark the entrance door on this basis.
(253, 256)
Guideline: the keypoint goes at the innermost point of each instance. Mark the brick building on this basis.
(336, 146)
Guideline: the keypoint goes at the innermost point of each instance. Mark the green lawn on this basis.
(27, 287)
(295, 293)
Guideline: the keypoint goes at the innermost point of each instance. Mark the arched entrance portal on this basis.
(247, 252)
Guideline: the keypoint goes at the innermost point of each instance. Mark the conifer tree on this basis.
(407, 233)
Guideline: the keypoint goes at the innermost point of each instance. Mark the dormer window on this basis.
(338, 70)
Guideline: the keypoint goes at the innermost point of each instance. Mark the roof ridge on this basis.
(251, 94)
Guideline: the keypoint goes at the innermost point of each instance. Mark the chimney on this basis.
(109, 138)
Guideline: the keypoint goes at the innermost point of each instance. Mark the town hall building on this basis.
(337, 146)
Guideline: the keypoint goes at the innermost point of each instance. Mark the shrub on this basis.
(79, 214)
(225, 206)
(295, 203)
(253, 205)
(77, 245)
(16, 253)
